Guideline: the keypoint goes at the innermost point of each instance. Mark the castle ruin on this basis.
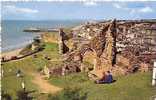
(118, 46)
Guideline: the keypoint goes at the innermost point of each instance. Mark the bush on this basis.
(69, 93)
(53, 97)
(5, 96)
(23, 95)
(26, 50)
(39, 69)
(40, 47)
(36, 41)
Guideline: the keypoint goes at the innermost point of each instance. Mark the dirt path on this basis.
(43, 84)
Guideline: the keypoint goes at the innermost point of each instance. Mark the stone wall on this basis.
(50, 37)
(117, 45)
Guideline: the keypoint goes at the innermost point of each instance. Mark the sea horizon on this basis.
(13, 29)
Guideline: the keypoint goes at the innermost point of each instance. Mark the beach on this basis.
(13, 35)
(9, 54)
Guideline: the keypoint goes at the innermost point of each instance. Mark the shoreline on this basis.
(9, 54)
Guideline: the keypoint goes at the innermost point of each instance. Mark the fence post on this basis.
(154, 75)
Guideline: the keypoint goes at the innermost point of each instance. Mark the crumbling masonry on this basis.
(119, 46)
(62, 46)
(104, 46)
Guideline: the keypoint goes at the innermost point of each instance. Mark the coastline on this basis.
(14, 52)
(9, 54)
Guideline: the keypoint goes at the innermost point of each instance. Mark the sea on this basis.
(13, 37)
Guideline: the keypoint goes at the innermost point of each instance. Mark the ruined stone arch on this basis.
(102, 46)
(87, 50)
(88, 58)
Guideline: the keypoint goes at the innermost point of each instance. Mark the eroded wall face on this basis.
(106, 39)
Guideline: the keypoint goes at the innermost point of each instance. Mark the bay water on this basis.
(13, 37)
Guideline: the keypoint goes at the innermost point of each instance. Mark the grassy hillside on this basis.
(11, 84)
(131, 87)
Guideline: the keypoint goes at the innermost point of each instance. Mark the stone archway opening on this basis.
(89, 61)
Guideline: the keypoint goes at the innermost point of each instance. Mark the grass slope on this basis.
(11, 84)
(131, 87)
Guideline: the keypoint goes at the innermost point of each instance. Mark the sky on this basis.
(77, 10)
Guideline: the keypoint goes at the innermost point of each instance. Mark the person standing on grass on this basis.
(18, 74)
(23, 85)
(2, 72)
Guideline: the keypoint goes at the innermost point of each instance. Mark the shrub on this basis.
(5, 96)
(36, 41)
(23, 95)
(39, 69)
(26, 50)
(40, 47)
(69, 93)
(53, 97)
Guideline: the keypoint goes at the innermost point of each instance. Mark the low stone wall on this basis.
(50, 37)
(18, 57)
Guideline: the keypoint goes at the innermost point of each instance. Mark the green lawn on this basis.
(131, 87)
(11, 84)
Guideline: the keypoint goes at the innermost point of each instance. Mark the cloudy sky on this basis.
(77, 10)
